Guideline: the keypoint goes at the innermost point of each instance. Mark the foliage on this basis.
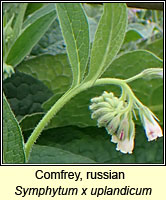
(57, 61)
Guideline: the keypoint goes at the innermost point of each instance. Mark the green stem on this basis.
(48, 116)
(121, 83)
(134, 77)
(63, 100)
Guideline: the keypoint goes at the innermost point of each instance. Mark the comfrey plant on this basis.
(114, 113)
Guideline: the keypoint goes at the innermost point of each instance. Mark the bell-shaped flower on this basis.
(152, 128)
(126, 146)
(125, 136)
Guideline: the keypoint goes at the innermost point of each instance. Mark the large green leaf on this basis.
(76, 35)
(53, 71)
(13, 144)
(19, 20)
(108, 38)
(29, 37)
(25, 94)
(53, 155)
(94, 143)
(150, 92)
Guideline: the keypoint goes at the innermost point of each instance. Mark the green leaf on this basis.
(132, 35)
(32, 7)
(108, 39)
(13, 144)
(19, 20)
(125, 66)
(29, 37)
(144, 30)
(38, 14)
(76, 35)
(8, 33)
(94, 143)
(45, 154)
(25, 94)
(29, 122)
(93, 12)
(53, 71)
(156, 47)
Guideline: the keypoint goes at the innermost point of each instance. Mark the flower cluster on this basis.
(115, 114)
(111, 113)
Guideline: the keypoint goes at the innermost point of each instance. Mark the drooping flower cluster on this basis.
(115, 115)
(110, 113)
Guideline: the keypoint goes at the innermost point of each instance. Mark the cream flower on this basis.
(125, 139)
(125, 146)
(152, 128)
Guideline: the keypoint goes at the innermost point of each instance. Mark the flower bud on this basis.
(113, 125)
(96, 106)
(153, 73)
(97, 99)
(99, 112)
(105, 119)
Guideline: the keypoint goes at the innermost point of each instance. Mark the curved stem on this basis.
(134, 77)
(48, 116)
(123, 84)
(64, 99)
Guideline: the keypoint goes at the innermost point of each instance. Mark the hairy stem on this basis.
(48, 116)
(63, 100)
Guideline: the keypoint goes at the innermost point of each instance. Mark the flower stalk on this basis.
(118, 122)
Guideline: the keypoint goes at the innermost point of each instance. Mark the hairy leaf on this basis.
(13, 144)
(108, 39)
(19, 21)
(29, 37)
(53, 71)
(76, 34)
(93, 12)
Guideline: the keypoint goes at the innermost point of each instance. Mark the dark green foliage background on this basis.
(94, 144)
